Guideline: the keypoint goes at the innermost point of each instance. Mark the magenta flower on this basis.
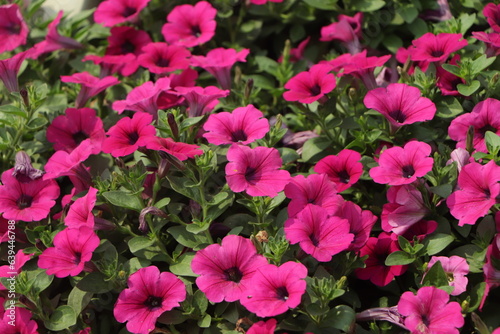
(23, 323)
(67, 131)
(256, 171)
(128, 134)
(491, 41)
(190, 25)
(478, 188)
(13, 29)
(362, 67)
(200, 100)
(318, 234)
(490, 271)
(360, 223)
(377, 250)
(492, 13)
(26, 201)
(91, 86)
(403, 55)
(113, 12)
(436, 48)
(401, 104)
(181, 151)
(430, 311)
(316, 189)
(312, 85)
(19, 260)
(402, 165)
(297, 53)
(80, 212)
(9, 68)
(243, 125)
(124, 40)
(169, 99)
(420, 230)
(144, 98)
(150, 293)
(484, 117)
(274, 289)
(54, 41)
(447, 82)
(73, 247)
(226, 270)
(263, 327)
(161, 58)
(343, 169)
(218, 62)
(456, 268)
(347, 30)
(405, 208)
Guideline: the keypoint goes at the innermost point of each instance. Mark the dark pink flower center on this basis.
(314, 239)
(252, 175)
(398, 116)
(487, 127)
(437, 53)
(79, 136)
(127, 47)
(14, 28)
(426, 320)
(128, 11)
(282, 293)
(238, 135)
(233, 274)
(133, 137)
(24, 201)
(78, 258)
(162, 62)
(195, 30)
(344, 176)
(152, 303)
(408, 171)
(315, 90)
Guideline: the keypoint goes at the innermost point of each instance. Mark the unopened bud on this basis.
(248, 89)
(24, 95)
(173, 125)
(469, 142)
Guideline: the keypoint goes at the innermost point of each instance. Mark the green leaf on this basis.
(476, 295)
(200, 302)
(492, 142)
(404, 244)
(219, 204)
(481, 63)
(408, 12)
(468, 90)
(288, 155)
(435, 276)
(443, 190)
(448, 107)
(162, 203)
(198, 226)
(36, 123)
(205, 321)
(146, 248)
(13, 110)
(185, 238)
(41, 282)
(437, 242)
(190, 122)
(418, 27)
(322, 4)
(453, 69)
(183, 265)
(95, 282)
(267, 65)
(185, 187)
(367, 5)
(399, 258)
(63, 317)
(466, 21)
(392, 42)
(124, 200)
(79, 299)
(315, 146)
(315, 309)
(340, 317)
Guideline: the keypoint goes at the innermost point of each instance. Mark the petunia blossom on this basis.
(402, 165)
(181, 151)
(200, 100)
(275, 289)
(149, 294)
(429, 311)
(343, 169)
(492, 14)
(318, 234)
(243, 125)
(189, 25)
(312, 85)
(80, 212)
(23, 323)
(478, 189)
(256, 171)
(161, 58)
(73, 247)
(112, 12)
(9, 69)
(360, 222)
(263, 327)
(91, 86)
(347, 30)
(14, 266)
(144, 98)
(401, 104)
(226, 270)
(455, 268)
(436, 48)
(13, 29)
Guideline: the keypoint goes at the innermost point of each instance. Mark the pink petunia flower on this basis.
(150, 293)
(226, 270)
(73, 247)
(144, 98)
(124, 40)
(429, 311)
(23, 323)
(113, 12)
(128, 134)
(243, 125)
(419, 230)
(67, 131)
(80, 212)
(491, 272)
(377, 250)
(402, 165)
(256, 171)
(436, 48)
(456, 268)
(218, 62)
(492, 13)
(91, 86)
(312, 85)
(23, 169)
(26, 201)
(200, 100)
(478, 189)
(484, 117)
(9, 68)
(491, 41)
(297, 53)
(405, 208)
(161, 58)
(19, 260)
(318, 234)
(274, 289)
(447, 82)
(263, 327)
(13, 29)
(189, 25)
(362, 67)
(347, 30)
(461, 157)
(169, 98)
(360, 222)
(54, 41)
(181, 151)
(343, 169)
(316, 189)
(401, 104)
(403, 56)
